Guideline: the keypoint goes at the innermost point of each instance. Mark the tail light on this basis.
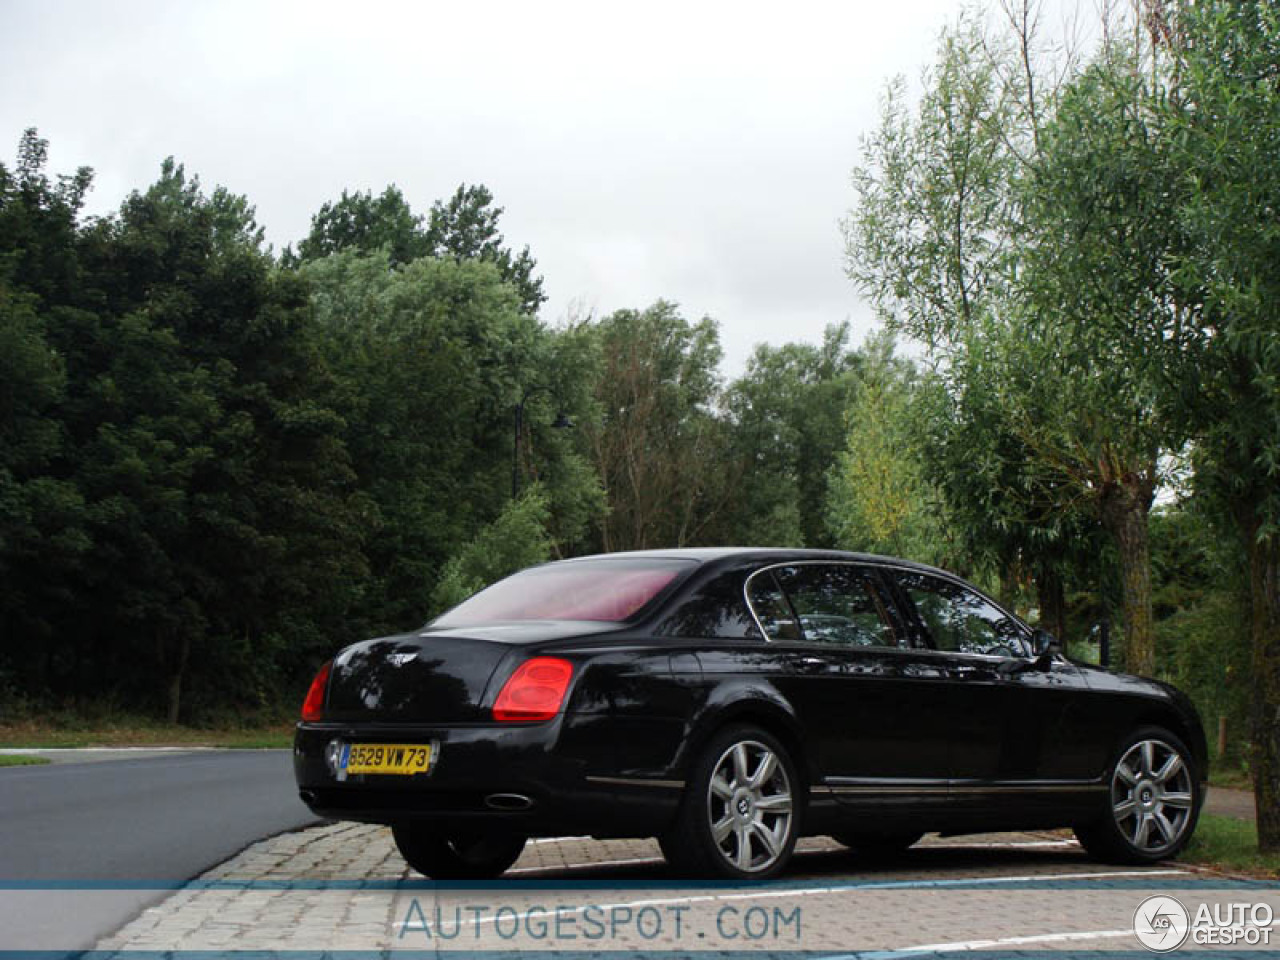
(313, 706)
(534, 692)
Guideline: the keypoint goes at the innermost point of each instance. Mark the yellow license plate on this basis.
(398, 758)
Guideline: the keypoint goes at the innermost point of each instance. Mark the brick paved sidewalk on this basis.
(344, 887)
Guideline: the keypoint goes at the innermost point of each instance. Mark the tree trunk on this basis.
(1051, 597)
(175, 679)
(1126, 507)
(1009, 585)
(1264, 589)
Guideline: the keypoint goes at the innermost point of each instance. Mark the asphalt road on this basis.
(79, 841)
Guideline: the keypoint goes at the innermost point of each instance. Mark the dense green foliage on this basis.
(217, 467)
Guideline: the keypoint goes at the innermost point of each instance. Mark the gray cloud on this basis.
(688, 151)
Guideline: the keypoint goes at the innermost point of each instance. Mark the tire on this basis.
(473, 857)
(1153, 801)
(878, 845)
(740, 814)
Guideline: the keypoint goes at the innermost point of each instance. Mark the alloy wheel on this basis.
(750, 806)
(1152, 795)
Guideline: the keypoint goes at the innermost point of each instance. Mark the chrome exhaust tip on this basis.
(507, 801)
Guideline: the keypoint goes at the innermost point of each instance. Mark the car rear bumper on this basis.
(515, 778)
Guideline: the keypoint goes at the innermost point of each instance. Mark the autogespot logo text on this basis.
(1162, 924)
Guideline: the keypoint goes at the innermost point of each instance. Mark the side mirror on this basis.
(1045, 646)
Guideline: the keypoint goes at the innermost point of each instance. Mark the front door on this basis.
(1016, 724)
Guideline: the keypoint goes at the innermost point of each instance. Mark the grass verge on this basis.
(9, 760)
(141, 734)
(1230, 845)
(1236, 778)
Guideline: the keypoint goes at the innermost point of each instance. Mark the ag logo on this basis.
(1161, 923)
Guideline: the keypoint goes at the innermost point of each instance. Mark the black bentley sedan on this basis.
(729, 701)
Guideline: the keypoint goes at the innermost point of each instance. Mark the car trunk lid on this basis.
(434, 676)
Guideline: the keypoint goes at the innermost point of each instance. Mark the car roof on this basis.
(709, 555)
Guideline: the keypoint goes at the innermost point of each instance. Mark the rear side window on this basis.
(604, 590)
(839, 605)
(716, 610)
(772, 608)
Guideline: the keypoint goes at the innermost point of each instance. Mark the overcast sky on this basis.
(695, 152)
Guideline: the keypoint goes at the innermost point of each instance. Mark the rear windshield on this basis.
(606, 590)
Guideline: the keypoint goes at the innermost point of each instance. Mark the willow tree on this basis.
(1030, 220)
(935, 242)
(1101, 343)
(1227, 123)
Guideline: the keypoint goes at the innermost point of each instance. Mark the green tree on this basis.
(431, 355)
(463, 228)
(517, 539)
(42, 524)
(1226, 122)
(931, 238)
(658, 447)
(880, 501)
(466, 228)
(1100, 356)
(1009, 513)
(934, 242)
(209, 458)
(1033, 226)
(786, 421)
(362, 221)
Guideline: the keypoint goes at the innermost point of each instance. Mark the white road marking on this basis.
(1023, 844)
(999, 844)
(583, 866)
(961, 946)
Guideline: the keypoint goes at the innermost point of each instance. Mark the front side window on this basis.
(959, 620)
(838, 605)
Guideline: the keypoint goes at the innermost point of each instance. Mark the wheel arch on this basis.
(769, 713)
(1191, 734)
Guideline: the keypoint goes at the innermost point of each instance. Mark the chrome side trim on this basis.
(836, 786)
(638, 782)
